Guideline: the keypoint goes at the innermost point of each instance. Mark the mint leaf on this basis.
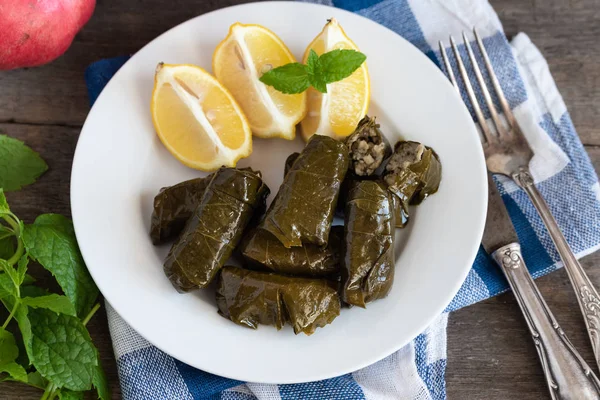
(37, 380)
(22, 318)
(62, 350)
(10, 271)
(57, 222)
(314, 76)
(19, 374)
(290, 78)
(51, 241)
(7, 241)
(8, 347)
(318, 83)
(312, 62)
(330, 67)
(22, 268)
(338, 64)
(19, 165)
(3, 203)
(7, 287)
(65, 394)
(33, 291)
(53, 302)
(15, 371)
(8, 354)
(101, 384)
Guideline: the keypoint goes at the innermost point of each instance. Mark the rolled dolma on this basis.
(289, 162)
(215, 228)
(420, 160)
(263, 251)
(368, 147)
(173, 206)
(304, 206)
(368, 261)
(402, 184)
(250, 298)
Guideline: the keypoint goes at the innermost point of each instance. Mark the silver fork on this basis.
(509, 154)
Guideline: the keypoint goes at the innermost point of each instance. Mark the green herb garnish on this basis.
(320, 70)
(19, 165)
(44, 341)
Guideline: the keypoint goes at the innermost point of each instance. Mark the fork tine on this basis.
(488, 65)
(448, 66)
(486, 94)
(463, 72)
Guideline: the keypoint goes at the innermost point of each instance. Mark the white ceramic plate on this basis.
(120, 165)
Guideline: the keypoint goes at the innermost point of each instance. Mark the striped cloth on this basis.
(416, 371)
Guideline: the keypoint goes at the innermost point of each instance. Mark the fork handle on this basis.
(587, 295)
(568, 376)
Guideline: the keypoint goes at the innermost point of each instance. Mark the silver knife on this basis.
(568, 376)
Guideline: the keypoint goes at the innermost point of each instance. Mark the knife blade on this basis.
(499, 230)
(568, 376)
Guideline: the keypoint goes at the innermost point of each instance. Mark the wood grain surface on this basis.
(490, 354)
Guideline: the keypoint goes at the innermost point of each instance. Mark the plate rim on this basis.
(375, 356)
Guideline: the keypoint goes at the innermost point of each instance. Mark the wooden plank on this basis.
(566, 32)
(50, 194)
(490, 354)
(594, 154)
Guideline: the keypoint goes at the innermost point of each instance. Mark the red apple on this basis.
(34, 32)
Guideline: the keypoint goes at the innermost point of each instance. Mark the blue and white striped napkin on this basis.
(560, 166)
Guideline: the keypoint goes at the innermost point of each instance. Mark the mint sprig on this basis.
(319, 71)
(289, 78)
(59, 356)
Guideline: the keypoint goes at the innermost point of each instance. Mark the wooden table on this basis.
(490, 354)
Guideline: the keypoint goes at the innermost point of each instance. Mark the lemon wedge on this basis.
(197, 119)
(337, 112)
(239, 61)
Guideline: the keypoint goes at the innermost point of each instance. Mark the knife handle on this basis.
(586, 293)
(567, 374)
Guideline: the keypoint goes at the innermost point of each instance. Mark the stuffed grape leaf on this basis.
(173, 206)
(250, 298)
(368, 261)
(215, 228)
(289, 162)
(303, 209)
(421, 161)
(368, 148)
(263, 251)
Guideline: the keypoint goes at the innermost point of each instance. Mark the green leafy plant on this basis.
(19, 165)
(44, 341)
(320, 70)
